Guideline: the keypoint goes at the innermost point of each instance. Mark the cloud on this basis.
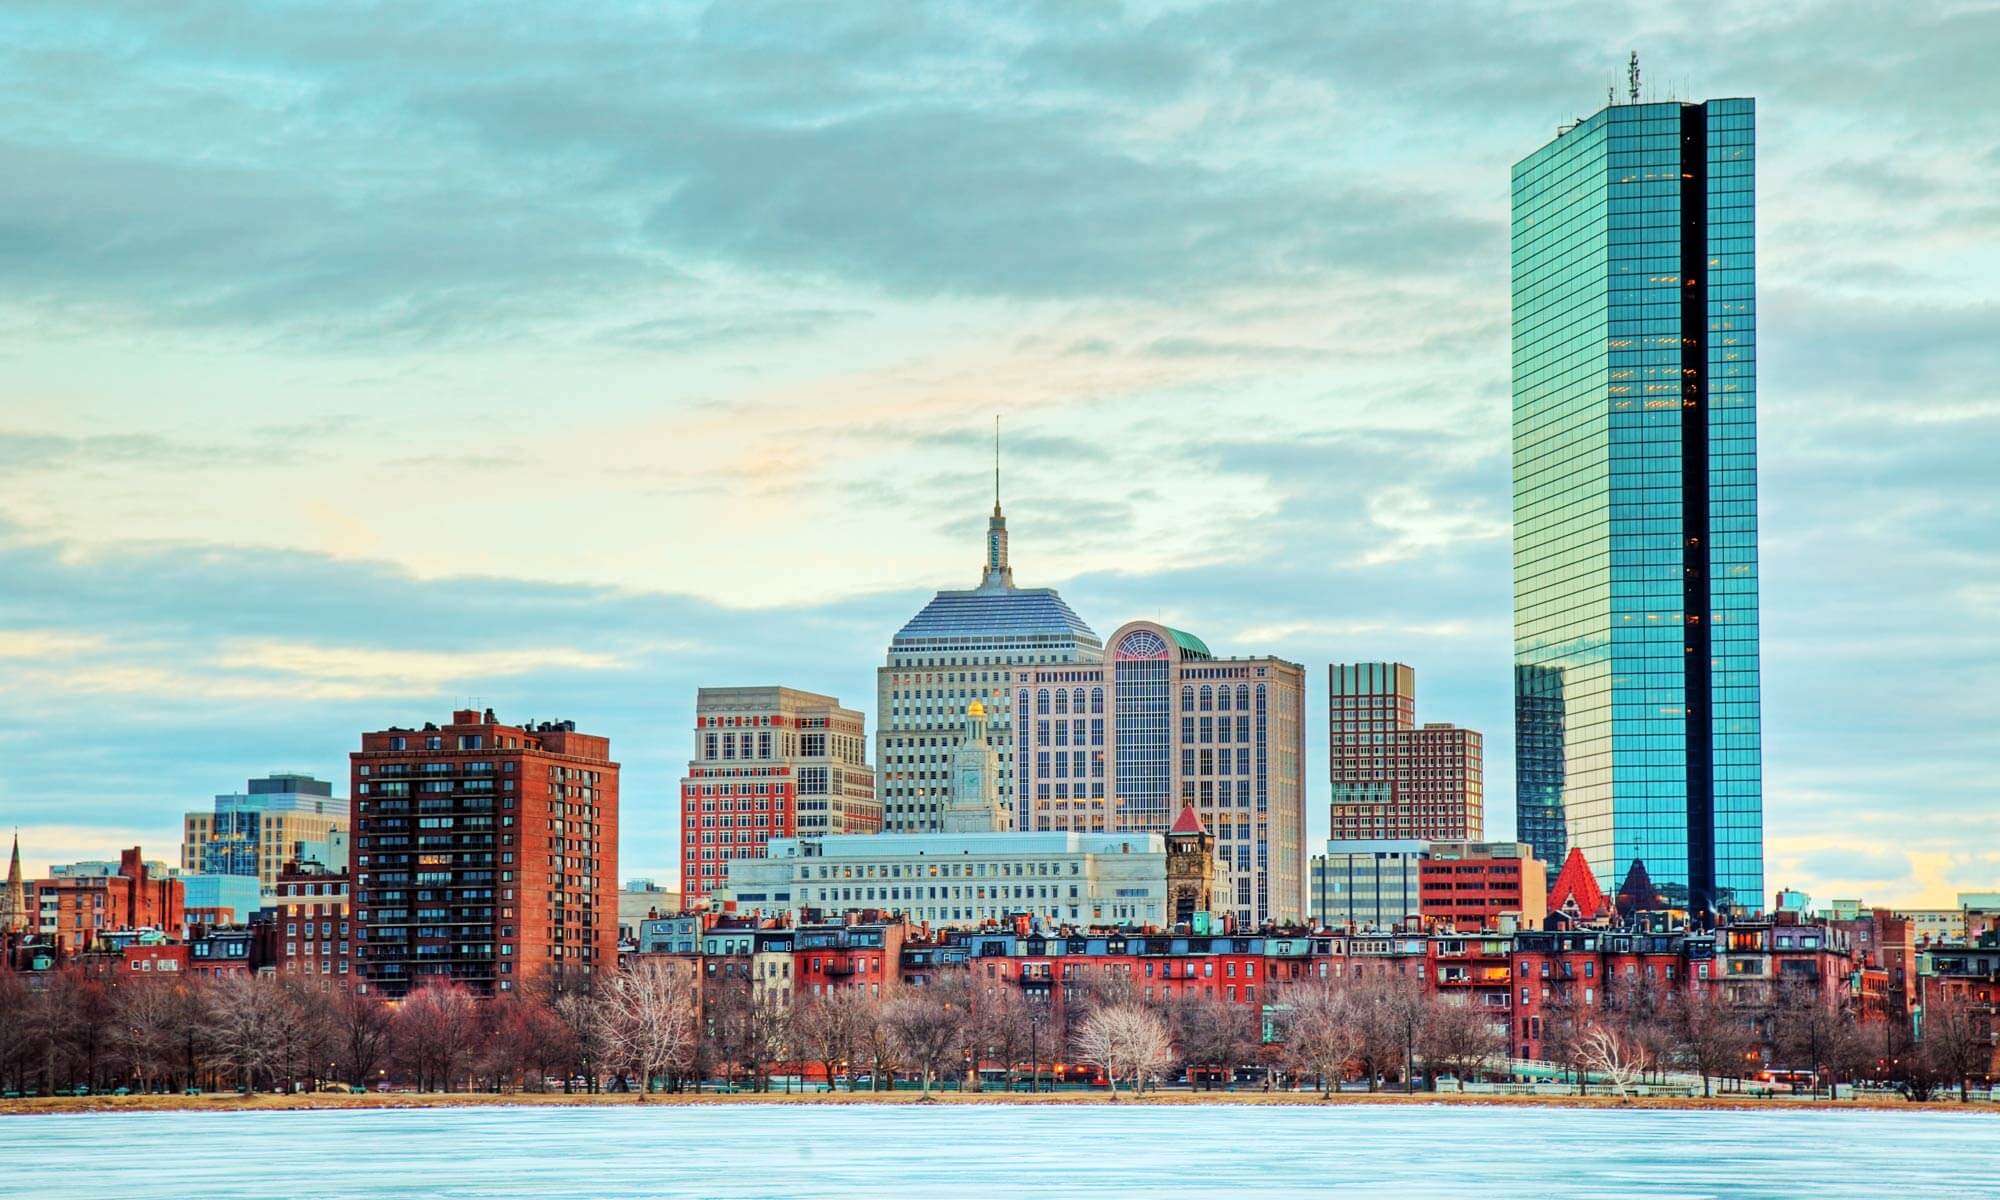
(357, 363)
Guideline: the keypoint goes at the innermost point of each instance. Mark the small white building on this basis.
(960, 879)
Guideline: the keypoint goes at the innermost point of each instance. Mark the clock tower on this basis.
(974, 806)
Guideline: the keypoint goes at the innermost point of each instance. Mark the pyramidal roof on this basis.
(1188, 822)
(996, 609)
(1575, 890)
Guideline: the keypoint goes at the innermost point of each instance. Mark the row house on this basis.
(1969, 969)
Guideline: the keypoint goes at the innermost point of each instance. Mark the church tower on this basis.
(14, 902)
(975, 806)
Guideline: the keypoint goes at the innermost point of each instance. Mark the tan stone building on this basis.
(1160, 723)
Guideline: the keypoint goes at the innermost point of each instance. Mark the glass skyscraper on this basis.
(1635, 499)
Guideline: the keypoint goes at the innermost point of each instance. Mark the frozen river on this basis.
(981, 1151)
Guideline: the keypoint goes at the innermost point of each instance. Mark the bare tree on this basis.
(1620, 1059)
(877, 1037)
(361, 1034)
(578, 1013)
(999, 1031)
(1566, 1019)
(145, 1030)
(928, 1024)
(1388, 1012)
(731, 1018)
(1711, 1037)
(1320, 1031)
(435, 1030)
(1126, 1041)
(828, 1029)
(246, 1014)
(1956, 1039)
(650, 1020)
(16, 1040)
(1808, 1026)
(1460, 1039)
(1213, 1036)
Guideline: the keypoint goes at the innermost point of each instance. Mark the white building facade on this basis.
(960, 880)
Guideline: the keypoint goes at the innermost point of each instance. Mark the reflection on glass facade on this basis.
(1635, 499)
(1144, 775)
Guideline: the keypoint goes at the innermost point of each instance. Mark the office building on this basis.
(255, 831)
(227, 899)
(1635, 499)
(484, 853)
(769, 762)
(1391, 779)
(961, 647)
(1159, 723)
(1367, 885)
(1472, 885)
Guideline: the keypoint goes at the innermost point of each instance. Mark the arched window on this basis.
(1042, 702)
(1207, 697)
(1142, 643)
(1243, 695)
(1076, 701)
(1062, 703)
(1222, 698)
(1097, 700)
(1187, 698)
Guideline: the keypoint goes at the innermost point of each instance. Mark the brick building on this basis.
(1391, 778)
(314, 926)
(769, 762)
(71, 912)
(484, 853)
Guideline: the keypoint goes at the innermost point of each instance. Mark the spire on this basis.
(14, 902)
(997, 573)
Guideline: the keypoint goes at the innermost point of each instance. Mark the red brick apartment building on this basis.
(72, 912)
(484, 853)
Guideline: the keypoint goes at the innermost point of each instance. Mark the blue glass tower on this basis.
(1635, 499)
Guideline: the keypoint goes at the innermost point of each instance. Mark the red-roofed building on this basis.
(1575, 892)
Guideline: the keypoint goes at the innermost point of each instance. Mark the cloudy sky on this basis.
(358, 360)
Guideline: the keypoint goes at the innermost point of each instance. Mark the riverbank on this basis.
(233, 1102)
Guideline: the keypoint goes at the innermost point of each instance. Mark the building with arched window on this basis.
(1159, 723)
(962, 647)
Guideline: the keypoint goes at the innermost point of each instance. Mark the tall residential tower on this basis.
(1392, 779)
(485, 854)
(1635, 499)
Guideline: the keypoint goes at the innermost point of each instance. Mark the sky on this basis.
(360, 360)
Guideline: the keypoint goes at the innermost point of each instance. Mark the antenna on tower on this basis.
(1632, 77)
(996, 461)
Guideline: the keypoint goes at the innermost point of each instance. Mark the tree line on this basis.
(658, 1026)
